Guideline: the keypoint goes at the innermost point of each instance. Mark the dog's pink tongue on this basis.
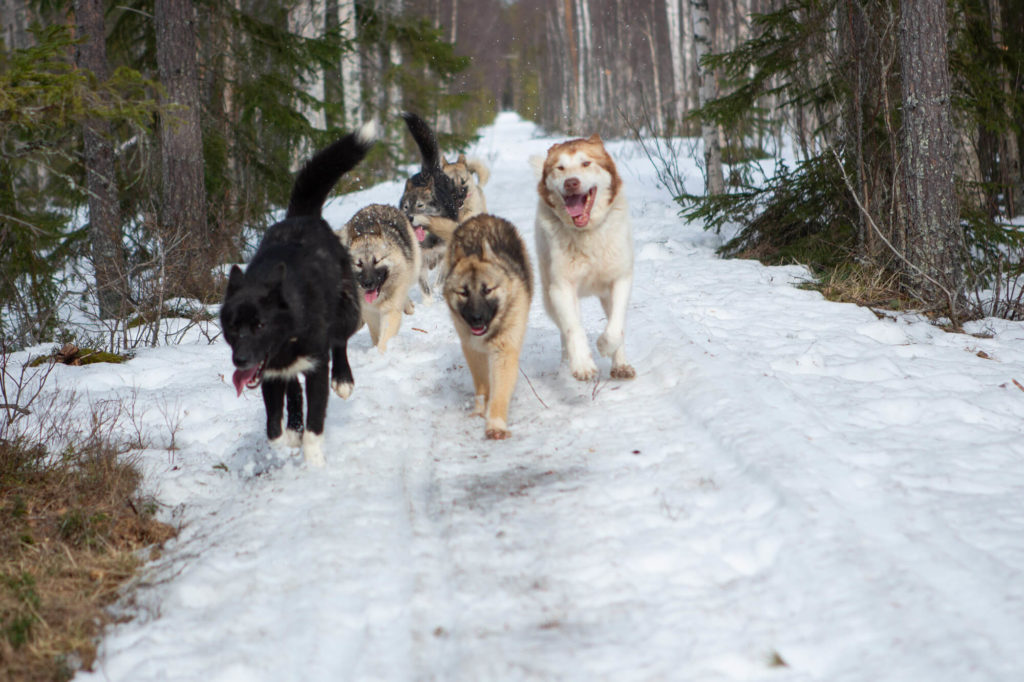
(241, 377)
(576, 204)
(421, 234)
(371, 296)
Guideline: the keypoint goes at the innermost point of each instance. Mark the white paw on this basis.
(584, 370)
(312, 449)
(609, 342)
(289, 440)
(342, 388)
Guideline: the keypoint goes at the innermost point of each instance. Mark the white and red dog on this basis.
(584, 248)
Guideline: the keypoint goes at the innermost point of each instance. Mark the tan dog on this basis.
(488, 290)
(462, 172)
(386, 261)
(584, 248)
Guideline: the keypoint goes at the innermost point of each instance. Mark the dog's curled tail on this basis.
(316, 179)
(425, 140)
(483, 173)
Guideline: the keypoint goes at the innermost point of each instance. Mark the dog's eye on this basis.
(586, 163)
(463, 292)
(561, 167)
(486, 289)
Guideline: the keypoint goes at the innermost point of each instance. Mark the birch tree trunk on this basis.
(183, 205)
(351, 68)
(574, 74)
(690, 75)
(105, 237)
(308, 19)
(934, 238)
(715, 180)
(659, 119)
(394, 103)
(585, 58)
(675, 48)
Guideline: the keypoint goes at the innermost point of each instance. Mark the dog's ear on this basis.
(488, 253)
(235, 279)
(595, 139)
(345, 235)
(462, 159)
(537, 164)
(458, 253)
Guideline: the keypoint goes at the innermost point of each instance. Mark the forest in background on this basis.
(132, 166)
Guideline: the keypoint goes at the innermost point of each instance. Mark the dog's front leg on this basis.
(316, 412)
(611, 342)
(273, 403)
(390, 322)
(503, 371)
(564, 306)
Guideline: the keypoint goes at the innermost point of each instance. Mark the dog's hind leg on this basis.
(342, 381)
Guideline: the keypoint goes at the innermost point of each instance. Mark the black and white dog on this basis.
(294, 308)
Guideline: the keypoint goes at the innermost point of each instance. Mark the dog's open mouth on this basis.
(478, 331)
(421, 233)
(371, 295)
(579, 205)
(248, 378)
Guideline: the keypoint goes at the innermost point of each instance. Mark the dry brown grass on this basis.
(866, 285)
(72, 524)
(70, 533)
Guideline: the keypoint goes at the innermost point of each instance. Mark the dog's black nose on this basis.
(572, 186)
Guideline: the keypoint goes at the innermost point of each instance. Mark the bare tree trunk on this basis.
(659, 119)
(351, 68)
(394, 91)
(308, 19)
(690, 69)
(183, 205)
(1009, 149)
(570, 40)
(104, 211)
(934, 239)
(675, 47)
(715, 181)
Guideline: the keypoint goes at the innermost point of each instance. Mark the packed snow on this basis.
(791, 489)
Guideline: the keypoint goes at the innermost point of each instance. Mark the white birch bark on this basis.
(351, 67)
(394, 90)
(715, 180)
(690, 78)
(586, 56)
(675, 47)
(659, 118)
(307, 20)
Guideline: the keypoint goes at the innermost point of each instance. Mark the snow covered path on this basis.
(791, 489)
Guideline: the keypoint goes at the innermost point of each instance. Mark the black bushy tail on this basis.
(425, 140)
(318, 177)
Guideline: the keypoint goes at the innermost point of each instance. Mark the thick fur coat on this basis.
(386, 260)
(488, 288)
(584, 248)
(293, 309)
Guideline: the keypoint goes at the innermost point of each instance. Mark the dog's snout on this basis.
(572, 185)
